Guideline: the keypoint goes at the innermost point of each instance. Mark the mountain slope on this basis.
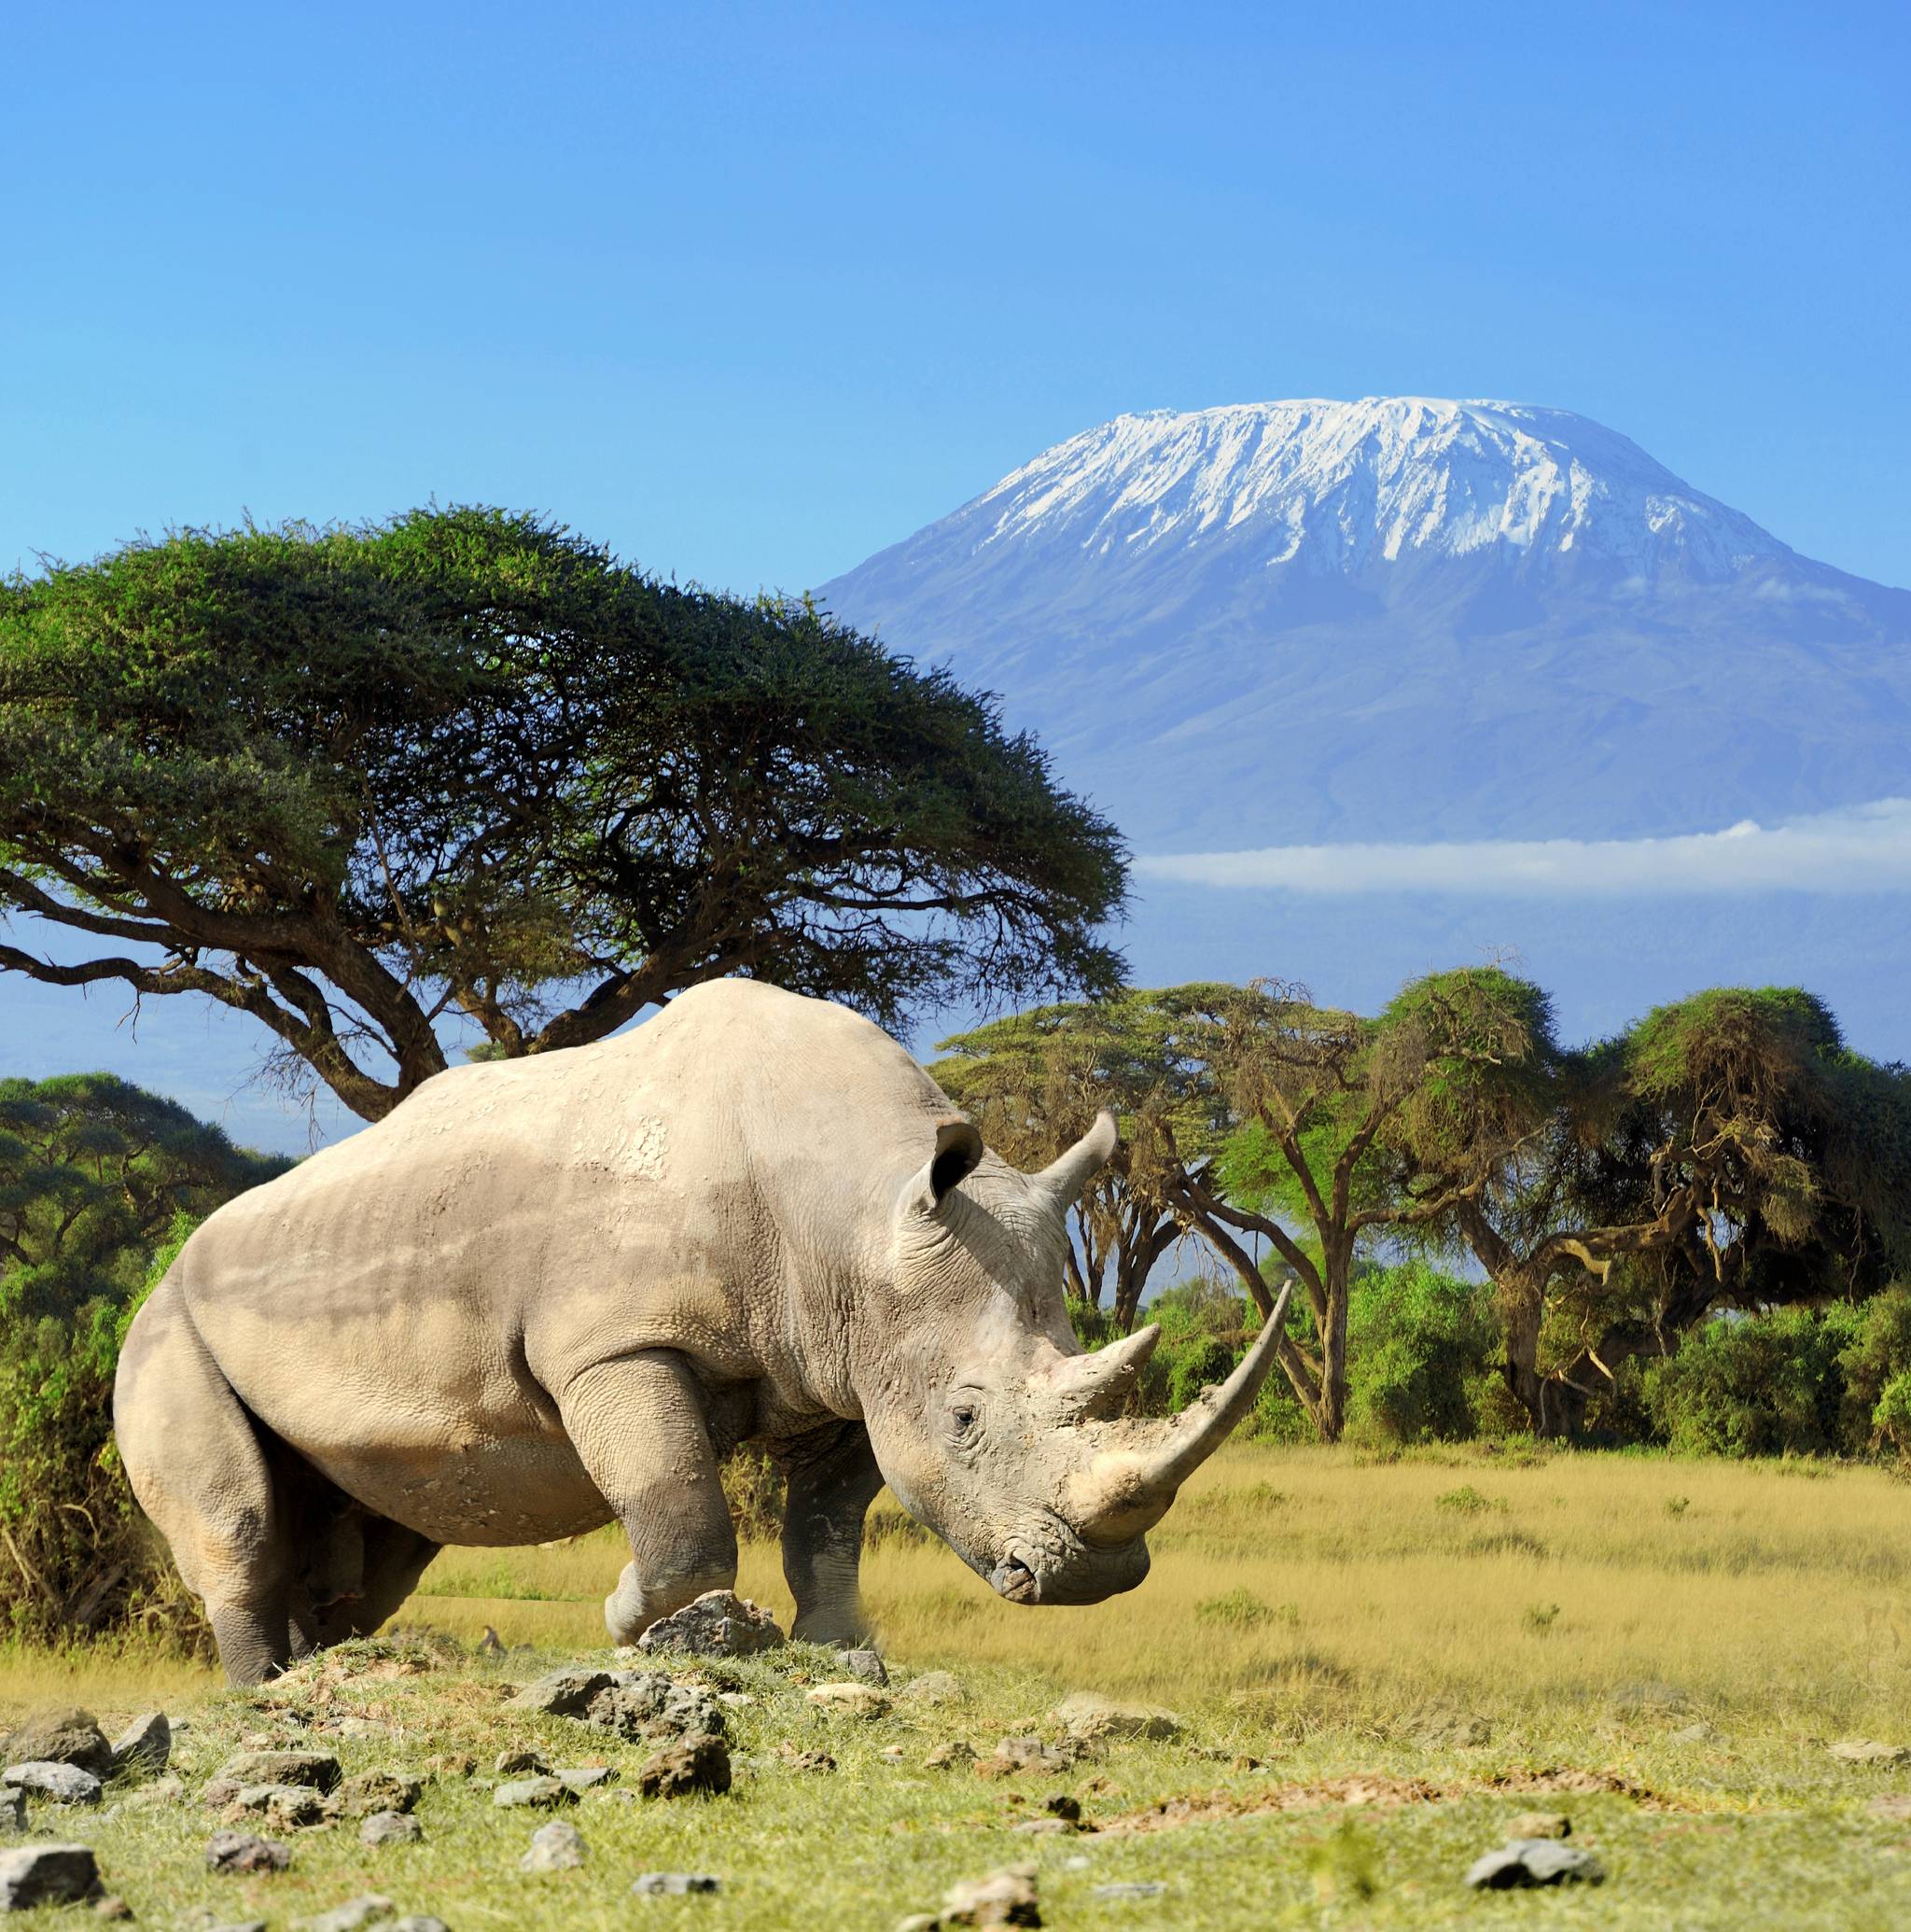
(1401, 618)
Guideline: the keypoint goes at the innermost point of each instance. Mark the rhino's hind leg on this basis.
(393, 1559)
(832, 1479)
(639, 1426)
(198, 1464)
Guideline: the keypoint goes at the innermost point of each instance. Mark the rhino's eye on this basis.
(962, 1420)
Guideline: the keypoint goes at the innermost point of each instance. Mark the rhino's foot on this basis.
(844, 1629)
(633, 1607)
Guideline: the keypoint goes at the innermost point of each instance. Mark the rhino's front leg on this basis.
(832, 1479)
(638, 1425)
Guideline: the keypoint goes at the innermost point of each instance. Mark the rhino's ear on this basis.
(958, 1150)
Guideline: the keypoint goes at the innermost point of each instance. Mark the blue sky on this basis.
(751, 292)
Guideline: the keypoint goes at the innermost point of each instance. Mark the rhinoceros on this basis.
(546, 1294)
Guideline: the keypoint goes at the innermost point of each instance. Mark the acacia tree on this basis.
(467, 765)
(1252, 1112)
(1733, 1152)
(1033, 1083)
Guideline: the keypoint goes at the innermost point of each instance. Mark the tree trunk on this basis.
(1332, 1417)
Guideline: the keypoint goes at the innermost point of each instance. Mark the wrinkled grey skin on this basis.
(547, 1293)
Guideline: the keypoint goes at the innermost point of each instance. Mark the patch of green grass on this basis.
(1777, 1609)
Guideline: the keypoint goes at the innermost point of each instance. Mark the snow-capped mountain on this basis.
(1400, 619)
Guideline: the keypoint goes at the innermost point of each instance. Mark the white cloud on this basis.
(1860, 849)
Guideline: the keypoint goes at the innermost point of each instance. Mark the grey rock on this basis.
(1534, 1861)
(849, 1699)
(1005, 1898)
(673, 1884)
(60, 1737)
(932, 1689)
(317, 1769)
(720, 1623)
(372, 1908)
(1861, 1750)
(946, 1756)
(12, 1808)
(240, 1853)
(520, 1764)
(145, 1745)
(565, 1693)
(866, 1665)
(1087, 1717)
(285, 1807)
(584, 1777)
(558, 1846)
(1128, 1888)
(648, 1704)
(390, 1828)
(542, 1794)
(54, 1781)
(365, 1792)
(46, 1875)
(690, 1765)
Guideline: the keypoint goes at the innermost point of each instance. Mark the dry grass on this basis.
(1414, 1651)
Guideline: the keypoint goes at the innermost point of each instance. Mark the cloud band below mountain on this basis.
(1858, 849)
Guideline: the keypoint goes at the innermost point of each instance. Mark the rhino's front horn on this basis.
(1063, 1179)
(1127, 1491)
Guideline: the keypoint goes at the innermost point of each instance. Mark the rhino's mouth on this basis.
(1012, 1578)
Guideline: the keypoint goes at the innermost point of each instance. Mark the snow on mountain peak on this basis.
(1336, 487)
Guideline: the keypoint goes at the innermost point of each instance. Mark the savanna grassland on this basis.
(1380, 1664)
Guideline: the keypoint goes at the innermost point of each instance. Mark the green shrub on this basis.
(1419, 1345)
(1756, 1385)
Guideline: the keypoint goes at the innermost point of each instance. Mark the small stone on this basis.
(719, 1623)
(111, 1906)
(46, 1875)
(584, 1777)
(12, 1808)
(694, 1764)
(558, 1846)
(673, 1884)
(541, 1793)
(1857, 1751)
(1013, 1756)
(1058, 1804)
(54, 1781)
(649, 1704)
(520, 1764)
(564, 1693)
(1005, 1898)
(144, 1746)
(390, 1828)
(365, 1792)
(317, 1769)
(946, 1756)
(1086, 1717)
(848, 1700)
(1125, 1889)
(372, 1908)
(241, 1852)
(867, 1667)
(60, 1737)
(1542, 1824)
(932, 1689)
(285, 1807)
(805, 1760)
(1534, 1861)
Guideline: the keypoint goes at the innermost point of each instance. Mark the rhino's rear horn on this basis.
(1063, 1179)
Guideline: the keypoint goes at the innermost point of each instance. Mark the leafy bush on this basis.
(1421, 1346)
(100, 1185)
